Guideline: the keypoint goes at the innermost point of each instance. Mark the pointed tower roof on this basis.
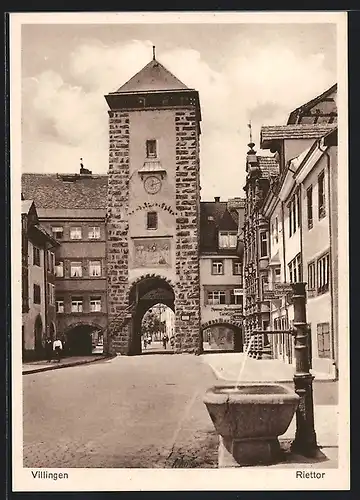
(151, 78)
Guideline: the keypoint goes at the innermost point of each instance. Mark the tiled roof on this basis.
(280, 132)
(50, 191)
(269, 166)
(153, 77)
(215, 216)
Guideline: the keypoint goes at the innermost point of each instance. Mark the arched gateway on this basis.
(222, 335)
(153, 207)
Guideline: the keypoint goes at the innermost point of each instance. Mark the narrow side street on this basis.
(143, 411)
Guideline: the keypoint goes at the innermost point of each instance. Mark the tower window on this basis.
(152, 220)
(151, 149)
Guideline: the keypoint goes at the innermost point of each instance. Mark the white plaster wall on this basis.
(36, 276)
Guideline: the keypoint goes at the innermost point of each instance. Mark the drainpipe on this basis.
(284, 261)
(328, 161)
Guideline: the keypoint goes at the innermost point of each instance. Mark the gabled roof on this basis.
(271, 133)
(52, 191)
(215, 217)
(310, 104)
(152, 77)
(26, 205)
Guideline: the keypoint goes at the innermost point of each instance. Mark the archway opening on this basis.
(82, 339)
(158, 329)
(38, 334)
(145, 294)
(222, 337)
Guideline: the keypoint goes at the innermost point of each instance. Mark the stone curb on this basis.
(67, 365)
(220, 376)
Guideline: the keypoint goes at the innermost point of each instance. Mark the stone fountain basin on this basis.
(249, 418)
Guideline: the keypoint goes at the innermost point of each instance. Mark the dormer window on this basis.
(151, 148)
(227, 239)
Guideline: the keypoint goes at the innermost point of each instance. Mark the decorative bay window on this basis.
(227, 239)
(295, 270)
(311, 279)
(263, 244)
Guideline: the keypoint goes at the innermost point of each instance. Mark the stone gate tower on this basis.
(153, 207)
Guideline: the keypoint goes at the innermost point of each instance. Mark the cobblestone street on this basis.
(143, 411)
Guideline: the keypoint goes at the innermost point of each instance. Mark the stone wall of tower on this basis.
(187, 291)
(117, 232)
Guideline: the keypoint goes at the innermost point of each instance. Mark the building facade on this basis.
(72, 208)
(221, 274)
(153, 207)
(38, 283)
(301, 211)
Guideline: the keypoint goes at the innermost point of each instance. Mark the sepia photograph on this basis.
(179, 193)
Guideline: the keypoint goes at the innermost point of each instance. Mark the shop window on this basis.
(75, 270)
(236, 298)
(37, 294)
(216, 297)
(94, 233)
(323, 340)
(75, 233)
(152, 220)
(94, 268)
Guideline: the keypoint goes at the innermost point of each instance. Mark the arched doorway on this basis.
(158, 329)
(146, 293)
(38, 333)
(81, 339)
(222, 336)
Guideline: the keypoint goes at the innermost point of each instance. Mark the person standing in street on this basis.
(57, 349)
(48, 349)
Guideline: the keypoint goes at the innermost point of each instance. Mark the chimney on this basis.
(217, 199)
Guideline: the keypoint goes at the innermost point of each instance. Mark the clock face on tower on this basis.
(152, 184)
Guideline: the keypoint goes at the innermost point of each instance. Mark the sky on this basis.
(243, 72)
